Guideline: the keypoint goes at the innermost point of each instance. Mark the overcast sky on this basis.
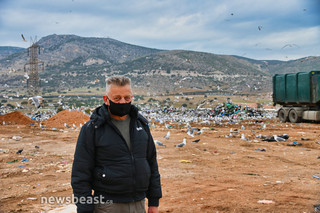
(258, 29)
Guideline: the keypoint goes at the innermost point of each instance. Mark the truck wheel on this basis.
(294, 117)
(282, 116)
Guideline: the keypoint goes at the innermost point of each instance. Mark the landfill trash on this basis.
(19, 151)
(273, 139)
(25, 170)
(25, 159)
(21, 166)
(235, 131)
(315, 176)
(305, 139)
(32, 198)
(317, 208)
(265, 201)
(37, 147)
(17, 138)
(261, 150)
(12, 161)
(54, 129)
(294, 143)
(185, 161)
(196, 141)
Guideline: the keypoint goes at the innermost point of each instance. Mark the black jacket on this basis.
(104, 163)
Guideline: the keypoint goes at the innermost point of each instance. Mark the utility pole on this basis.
(33, 82)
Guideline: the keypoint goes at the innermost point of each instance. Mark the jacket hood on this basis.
(101, 115)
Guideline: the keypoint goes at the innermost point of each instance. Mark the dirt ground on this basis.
(217, 174)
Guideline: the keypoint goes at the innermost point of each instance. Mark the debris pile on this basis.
(16, 117)
(66, 119)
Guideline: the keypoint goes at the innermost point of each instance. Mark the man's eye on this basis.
(117, 99)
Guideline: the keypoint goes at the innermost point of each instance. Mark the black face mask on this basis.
(119, 109)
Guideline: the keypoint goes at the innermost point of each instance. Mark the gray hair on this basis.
(118, 81)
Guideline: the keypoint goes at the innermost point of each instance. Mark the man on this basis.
(116, 157)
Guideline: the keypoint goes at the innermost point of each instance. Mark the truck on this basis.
(299, 96)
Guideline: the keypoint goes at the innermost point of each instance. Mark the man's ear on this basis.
(105, 99)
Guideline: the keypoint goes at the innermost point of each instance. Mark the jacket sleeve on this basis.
(154, 192)
(82, 170)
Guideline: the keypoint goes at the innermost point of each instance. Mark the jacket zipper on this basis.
(131, 153)
(132, 159)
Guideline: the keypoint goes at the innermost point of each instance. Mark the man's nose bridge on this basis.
(122, 100)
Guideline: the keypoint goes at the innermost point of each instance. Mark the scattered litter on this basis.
(19, 151)
(21, 166)
(32, 198)
(315, 176)
(265, 201)
(4, 150)
(12, 161)
(294, 143)
(25, 159)
(261, 150)
(305, 139)
(185, 161)
(17, 138)
(275, 138)
(251, 174)
(196, 141)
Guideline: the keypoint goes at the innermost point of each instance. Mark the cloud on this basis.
(225, 27)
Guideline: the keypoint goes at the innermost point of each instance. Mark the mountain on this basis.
(181, 70)
(305, 64)
(7, 50)
(72, 62)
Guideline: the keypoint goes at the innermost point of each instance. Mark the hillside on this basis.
(72, 62)
(5, 51)
(305, 64)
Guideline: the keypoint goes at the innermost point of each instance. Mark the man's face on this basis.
(118, 94)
